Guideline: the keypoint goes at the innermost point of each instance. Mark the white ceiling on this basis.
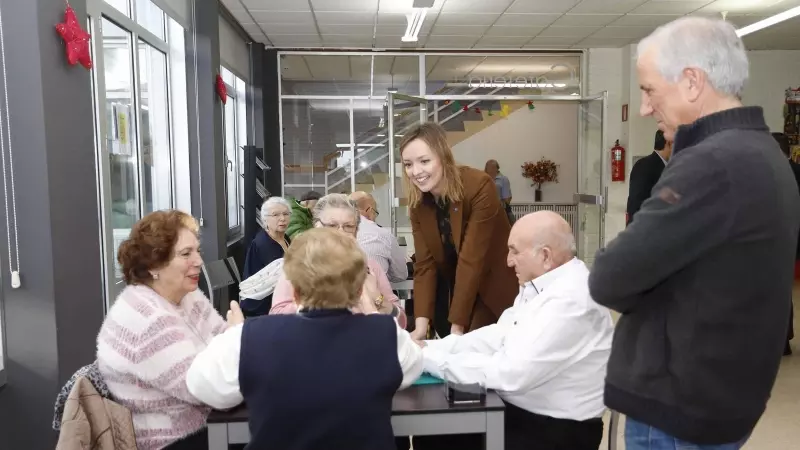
(495, 24)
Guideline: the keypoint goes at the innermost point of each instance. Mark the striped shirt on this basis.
(144, 349)
(381, 246)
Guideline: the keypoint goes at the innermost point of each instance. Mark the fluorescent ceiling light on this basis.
(517, 85)
(769, 21)
(415, 20)
(360, 145)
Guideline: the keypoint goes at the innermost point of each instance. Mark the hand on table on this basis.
(458, 330)
(420, 343)
(235, 315)
(419, 334)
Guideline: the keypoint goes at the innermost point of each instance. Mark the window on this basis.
(234, 119)
(142, 118)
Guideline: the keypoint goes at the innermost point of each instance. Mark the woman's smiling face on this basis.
(422, 166)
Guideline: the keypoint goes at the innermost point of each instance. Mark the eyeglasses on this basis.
(346, 227)
(278, 215)
(377, 213)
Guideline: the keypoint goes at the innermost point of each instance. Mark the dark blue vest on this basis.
(320, 380)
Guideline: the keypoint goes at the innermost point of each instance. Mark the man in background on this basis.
(503, 185)
(377, 242)
(783, 142)
(645, 174)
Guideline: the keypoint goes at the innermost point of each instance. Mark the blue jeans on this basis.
(639, 436)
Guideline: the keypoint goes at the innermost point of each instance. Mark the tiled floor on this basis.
(779, 428)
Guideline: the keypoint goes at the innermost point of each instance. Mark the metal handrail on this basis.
(369, 139)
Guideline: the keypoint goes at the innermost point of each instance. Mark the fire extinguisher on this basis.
(617, 162)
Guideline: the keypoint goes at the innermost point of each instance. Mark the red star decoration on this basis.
(75, 38)
(222, 90)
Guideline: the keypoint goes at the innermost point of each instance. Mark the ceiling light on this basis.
(415, 20)
(769, 21)
(517, 85)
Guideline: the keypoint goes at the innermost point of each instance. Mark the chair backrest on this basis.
(234, 268)
(218, 276)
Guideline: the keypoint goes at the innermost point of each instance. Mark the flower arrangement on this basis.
(540, 172)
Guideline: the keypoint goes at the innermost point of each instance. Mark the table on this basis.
(416, 411)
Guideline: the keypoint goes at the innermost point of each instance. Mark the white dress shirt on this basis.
(213, 377)
(547, 353)
(381, 245)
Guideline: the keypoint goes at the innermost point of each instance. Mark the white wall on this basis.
(771, 72)
(550, 130)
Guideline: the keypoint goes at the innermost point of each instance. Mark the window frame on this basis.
(98, 11)
(238, 94)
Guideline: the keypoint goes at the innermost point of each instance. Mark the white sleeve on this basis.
(532, 353)
(486, 340)
(214, 375)
(410, 357)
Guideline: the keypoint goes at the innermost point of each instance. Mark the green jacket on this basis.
(301, 220)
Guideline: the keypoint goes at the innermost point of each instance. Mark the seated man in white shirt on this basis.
(546, 356)
(379, 243)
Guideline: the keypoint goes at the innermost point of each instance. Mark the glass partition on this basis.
(524, 74)
(403, 113)
(317, 146)
(591, 197)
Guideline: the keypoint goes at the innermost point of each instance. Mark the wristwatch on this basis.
(378, 302)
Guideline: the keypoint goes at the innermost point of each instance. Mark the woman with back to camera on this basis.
(154, 330)
(320, 379)
(461, 279)
(269, 244)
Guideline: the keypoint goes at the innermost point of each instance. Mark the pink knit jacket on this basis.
(144, 349)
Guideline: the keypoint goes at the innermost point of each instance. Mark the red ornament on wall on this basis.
(75, 39)
(222, 90)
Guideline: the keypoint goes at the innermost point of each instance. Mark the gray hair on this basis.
(710, 45)
(341, 201)
(271, 202)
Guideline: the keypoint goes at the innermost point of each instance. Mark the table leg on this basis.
(495, 430)
(218, 436)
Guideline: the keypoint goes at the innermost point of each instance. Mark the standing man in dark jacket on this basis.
(645, 174)
(703, 276)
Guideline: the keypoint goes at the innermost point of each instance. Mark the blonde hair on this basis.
(436, 138)
(326, 268)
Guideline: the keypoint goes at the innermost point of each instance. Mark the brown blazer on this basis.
(480, 233)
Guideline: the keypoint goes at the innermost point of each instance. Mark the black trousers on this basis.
(524, 431)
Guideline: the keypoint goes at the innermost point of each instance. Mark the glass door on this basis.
(403, 113)
(592, 185)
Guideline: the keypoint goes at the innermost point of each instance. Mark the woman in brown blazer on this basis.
(461, 279)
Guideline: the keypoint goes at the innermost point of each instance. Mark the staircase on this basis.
(371, 161)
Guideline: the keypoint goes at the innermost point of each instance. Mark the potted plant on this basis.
(540, 172)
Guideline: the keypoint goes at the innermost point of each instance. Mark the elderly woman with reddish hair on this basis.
(154, 330)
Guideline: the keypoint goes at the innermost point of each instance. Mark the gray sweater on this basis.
(703, 279)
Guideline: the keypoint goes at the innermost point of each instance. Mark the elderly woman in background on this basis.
(154, 330)
(321, 379)
(338, 212)
(268, 245)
